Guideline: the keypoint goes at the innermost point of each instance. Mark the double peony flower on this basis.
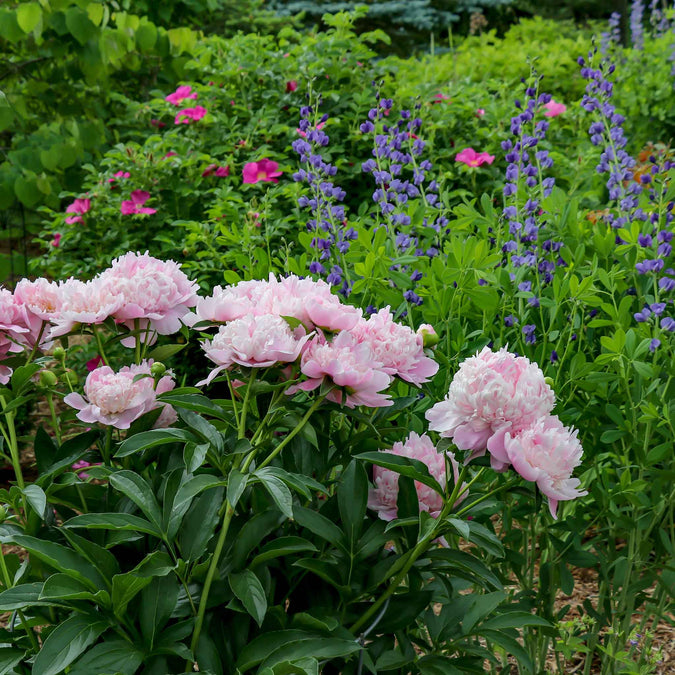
(500, 403)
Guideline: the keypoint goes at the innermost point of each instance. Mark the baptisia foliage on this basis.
(274, 515)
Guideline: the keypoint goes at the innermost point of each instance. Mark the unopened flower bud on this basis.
(3, 514)
(59, 353)
(549, 381)
(71, 377)
(429, 335)
(157, 369)
(48, 379)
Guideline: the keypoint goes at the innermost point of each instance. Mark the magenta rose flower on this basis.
(189, 115)
(181, 94)
(80, 207)
(554, 109)
(265, 170)
(135, 204)
(472, 158)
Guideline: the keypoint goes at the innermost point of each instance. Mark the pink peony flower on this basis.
(42, 301)
(79, 206)
(383, 497)
(318, 127)
(135, 204)
(114, 399)
(264, 170)
(90, 302)
(188, 115)
(254, 342)
(291, 86)
(472, 158)
(153, 291)
(181, 94)
(220, 171)
(349, 365)
(491, 394)
(14, 330)
(554, 109)
(547, 453)
(396, 347)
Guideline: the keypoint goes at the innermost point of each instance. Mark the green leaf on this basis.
(113, 656)
(63, 587)
(204, 429)
(102, 559)
(514, 620)
(114, 521)
(28, 16)
(158, 600)
(352, 497)
(318, 524)
(79, 25)
(406, 466)
(236, 484)
(9, 657)
(20, 597)
(186, 493)
(199, 524)
(247, 587)
(36, 498)
(134, 487)
(280, 547)
(65, 643)
(151, 439)
(196, 402)
(68, 454)
(164, 352)
(316, 647)
(512, 646)
(95, 13)
(481, 606)
(277, 490)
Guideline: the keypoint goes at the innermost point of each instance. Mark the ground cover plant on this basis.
(413, 371)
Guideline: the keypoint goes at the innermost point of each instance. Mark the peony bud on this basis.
(71, 377)
(48, 379)
(549, 381)
(429, 335)
(3, 514)
(59, 353)
(157, 369)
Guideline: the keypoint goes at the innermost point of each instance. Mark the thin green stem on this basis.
(8, 584)
(13, 444)
(99, 344)
(244, 407)
(52, 411)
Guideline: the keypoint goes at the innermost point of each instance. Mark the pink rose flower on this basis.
(220, 171)
(56, 241)
(82, 464)
(79, 206)
(135, 204)
(118, 175)
(439, 98)
(291, 86)
(169, 154)
(114, 399)
(554, 109)
(254, 342)
(181, 94)
(480, 112)
(396, 347)
(547, 453)
(264, 170)
(153, 291)
(188, 115)
(318, 127)
(350, 366)
(385, 494)
(491, 394)
(472, 158)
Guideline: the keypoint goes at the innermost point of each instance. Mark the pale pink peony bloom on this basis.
(181, 94)
(264, 170)
(152, 291)
(547, 453)
(14, 323)
(42, 300)
(472, 158)
(350, 366)
(385, 494)
(219, 171)
(396, 347)
(554, 109)
(228, 304)
(188, 115)
(114, 399)
(254, 342)
(79, 206)
(491, 394)
(84, 302)
(135, 204)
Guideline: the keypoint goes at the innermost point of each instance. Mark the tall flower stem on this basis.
(10, 436)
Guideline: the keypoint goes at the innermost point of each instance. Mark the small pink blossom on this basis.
(115, 399)
(135, 204)
(79, 206)
(188, 115)
(385, 494)
(181, 94)
(82, 464)
(291, 86)
(56, 241)
(169, 154)
(554, 109)
(264, 170)
(547, 453)
(440, 97)
(118, 175)
(396, 347)
(491, 394)
(318, 127)
(94, 363)
(158, 124)
(480, 112)
(254, 342)
(350, 366)
(219, 171)
(472, 158)
(154, 292)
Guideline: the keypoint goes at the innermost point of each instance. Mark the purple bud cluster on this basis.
(606, 131)
(332, 239)
(401, 180)
(637, 11)
(658, 19)
(612, 36)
